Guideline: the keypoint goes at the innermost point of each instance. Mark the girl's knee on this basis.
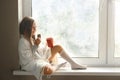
(48, 70)
(58, 46)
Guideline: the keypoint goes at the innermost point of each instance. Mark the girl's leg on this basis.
(74, 64)
(49, 69)
(58, 49)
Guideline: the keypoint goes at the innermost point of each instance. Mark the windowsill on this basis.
(90, 71)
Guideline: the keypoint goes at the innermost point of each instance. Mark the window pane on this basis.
(72, 23)
(117, 28)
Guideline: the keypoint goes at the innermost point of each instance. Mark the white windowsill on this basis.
(90, 71)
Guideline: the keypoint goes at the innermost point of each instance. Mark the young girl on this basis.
(35, 59)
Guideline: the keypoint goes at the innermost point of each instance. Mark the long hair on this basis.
(25, 27)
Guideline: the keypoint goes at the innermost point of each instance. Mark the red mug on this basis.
(50, 42)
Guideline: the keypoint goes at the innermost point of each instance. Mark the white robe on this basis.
(33, 58)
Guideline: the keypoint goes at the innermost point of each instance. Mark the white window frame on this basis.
(106, 45)
(24, 8)
(112, 60)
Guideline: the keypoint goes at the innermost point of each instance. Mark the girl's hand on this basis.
(37, 41)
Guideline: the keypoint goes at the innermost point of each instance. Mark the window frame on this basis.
(105, 35)
(111, 59)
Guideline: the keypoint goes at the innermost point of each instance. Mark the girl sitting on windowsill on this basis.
(35, 59)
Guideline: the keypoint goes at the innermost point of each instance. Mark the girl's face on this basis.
(33, 29)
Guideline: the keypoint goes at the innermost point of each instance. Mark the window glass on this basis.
(72, 23)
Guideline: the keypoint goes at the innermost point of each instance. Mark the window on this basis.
(88, 29)
(72, 23)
